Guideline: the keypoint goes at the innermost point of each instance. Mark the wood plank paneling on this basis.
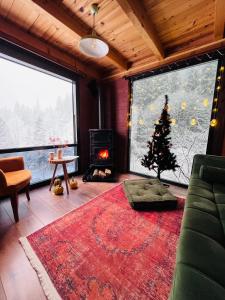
(151, 64)
(219, 19)
(9, 31)
(180, 25)
(5, 7)
(136, 13)
(77, 27)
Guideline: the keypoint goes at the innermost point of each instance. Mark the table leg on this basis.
(66, 177)
(53, 177)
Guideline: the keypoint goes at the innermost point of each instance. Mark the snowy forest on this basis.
(190, 93)
(36, 109)
(29, 126)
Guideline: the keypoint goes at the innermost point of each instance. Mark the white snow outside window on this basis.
(190, 91)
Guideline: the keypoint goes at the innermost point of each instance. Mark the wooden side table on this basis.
(65, 160)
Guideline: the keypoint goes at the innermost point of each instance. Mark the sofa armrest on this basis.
(206, 160)
(3, 182)
(11, 164)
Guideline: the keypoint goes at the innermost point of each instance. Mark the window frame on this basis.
(218, 54)
(19, 55)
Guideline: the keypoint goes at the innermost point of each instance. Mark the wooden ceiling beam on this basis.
(79, 28)
(168, 60)
(137, 15)
(219, 19)
(16, 35)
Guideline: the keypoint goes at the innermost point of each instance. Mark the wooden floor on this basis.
(18, 280)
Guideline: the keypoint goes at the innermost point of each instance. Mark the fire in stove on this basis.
(103, 154)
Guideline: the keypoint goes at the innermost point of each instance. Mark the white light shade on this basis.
(93, 46)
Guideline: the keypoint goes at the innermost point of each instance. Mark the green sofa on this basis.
(200, 261)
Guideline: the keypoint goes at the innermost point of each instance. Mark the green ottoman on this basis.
(146, 194)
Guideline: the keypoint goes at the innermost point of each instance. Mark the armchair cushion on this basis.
(14, 179)
(11, 164)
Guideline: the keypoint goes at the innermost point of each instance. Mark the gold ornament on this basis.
(215, 100)
(205, 102)
(219, 77)
(73, 183)
(193, 122)
(183, 105)
(215, 110)
(173, 121)
(58, 190)
(221, 68)
(213, 122)
(57, 181)
(218, 88)
(129, 124)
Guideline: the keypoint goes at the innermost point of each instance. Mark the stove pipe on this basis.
(99, 107)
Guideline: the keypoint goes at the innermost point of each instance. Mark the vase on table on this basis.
(59, 153)
(51, 156)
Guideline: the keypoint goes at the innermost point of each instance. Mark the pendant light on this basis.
(92, 45)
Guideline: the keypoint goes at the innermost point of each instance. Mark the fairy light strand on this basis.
(214, 121)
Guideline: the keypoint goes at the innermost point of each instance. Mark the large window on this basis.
(190, 91)
(37, 113)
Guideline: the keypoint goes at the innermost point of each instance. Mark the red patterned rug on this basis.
(106, 250)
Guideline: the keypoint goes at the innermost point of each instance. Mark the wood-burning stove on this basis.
(101, 156)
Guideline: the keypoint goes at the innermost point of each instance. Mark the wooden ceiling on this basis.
(141, 34)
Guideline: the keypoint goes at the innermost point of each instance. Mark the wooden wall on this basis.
(115, 99)
(88, 118)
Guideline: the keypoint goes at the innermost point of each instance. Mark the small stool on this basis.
(147, 194)
(63, 161)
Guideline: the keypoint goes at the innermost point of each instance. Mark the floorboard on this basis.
(18, 280)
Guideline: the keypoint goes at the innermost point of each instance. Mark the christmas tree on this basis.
(159, 158)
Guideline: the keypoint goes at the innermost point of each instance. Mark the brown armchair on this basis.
(13, 178)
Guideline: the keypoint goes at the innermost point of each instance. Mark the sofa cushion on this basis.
(191, 284)
(204, 223)
(212, 174)
(203, 253)
(203, 204)
(202, 192)
(201, 184)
